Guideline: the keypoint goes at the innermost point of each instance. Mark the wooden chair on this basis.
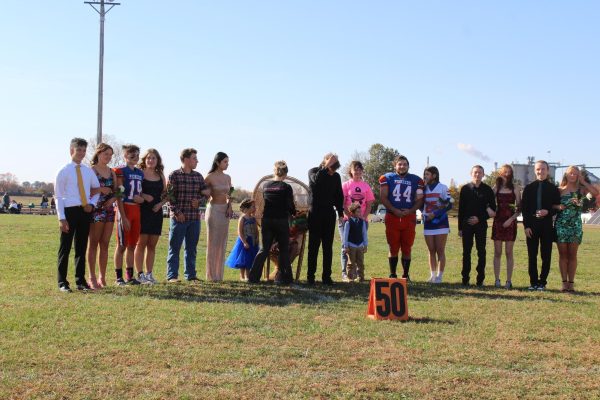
(302, 197)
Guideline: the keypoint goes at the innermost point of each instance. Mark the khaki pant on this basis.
(356, 266)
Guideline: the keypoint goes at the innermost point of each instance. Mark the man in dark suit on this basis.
(539, 199)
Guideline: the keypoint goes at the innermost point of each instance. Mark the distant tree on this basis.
(9, 183)
(454, 192)
(490, 179)
(240, 194)
(47, 187)
(111, 140)
(379, 161)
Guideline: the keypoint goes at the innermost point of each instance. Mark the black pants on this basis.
(542, 238)
(79, 228)
(277, 229)
(321, 227)
(478, 231)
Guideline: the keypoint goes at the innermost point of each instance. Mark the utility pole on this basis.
(102, 10)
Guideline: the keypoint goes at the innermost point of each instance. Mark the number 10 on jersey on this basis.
(388, 299)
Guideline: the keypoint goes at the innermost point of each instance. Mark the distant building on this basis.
(525, 173)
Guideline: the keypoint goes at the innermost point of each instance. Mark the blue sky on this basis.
(293, 80)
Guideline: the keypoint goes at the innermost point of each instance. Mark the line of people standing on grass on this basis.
(90, 201)
(550, 214)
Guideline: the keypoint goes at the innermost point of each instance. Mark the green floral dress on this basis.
(568, 223)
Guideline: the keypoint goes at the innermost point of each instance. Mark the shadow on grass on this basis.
(267, 293)
(426, 320)
(423, 290)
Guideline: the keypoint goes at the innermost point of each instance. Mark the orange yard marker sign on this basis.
(388, 299)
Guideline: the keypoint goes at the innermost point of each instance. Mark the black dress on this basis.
(152, 221)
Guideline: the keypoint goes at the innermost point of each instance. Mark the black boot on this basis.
(393, 261)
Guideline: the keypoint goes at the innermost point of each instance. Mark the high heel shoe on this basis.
(571, 287)
(565, 286)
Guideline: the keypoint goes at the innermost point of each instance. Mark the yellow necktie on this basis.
(82, 195)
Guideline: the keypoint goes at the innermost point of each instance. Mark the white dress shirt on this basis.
(67, 191)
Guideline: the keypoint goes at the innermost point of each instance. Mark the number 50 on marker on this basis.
(388, 299)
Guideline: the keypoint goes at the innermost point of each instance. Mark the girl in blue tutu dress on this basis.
(246, 246)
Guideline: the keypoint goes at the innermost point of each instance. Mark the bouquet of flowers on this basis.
(120, 192)
(169, 193)
(575, 200)
(442, 204)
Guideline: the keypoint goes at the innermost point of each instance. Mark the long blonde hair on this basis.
(563, 182)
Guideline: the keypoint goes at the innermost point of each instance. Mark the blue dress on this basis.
(241, 258)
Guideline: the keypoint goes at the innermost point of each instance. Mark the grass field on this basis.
(231, 340)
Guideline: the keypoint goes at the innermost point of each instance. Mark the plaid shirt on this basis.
(186, 187)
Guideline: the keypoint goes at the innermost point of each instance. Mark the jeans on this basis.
(478, 231)
(344, 256)
(186, 233)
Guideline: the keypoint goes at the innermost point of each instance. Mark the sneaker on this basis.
(541, 288)
(133, 282)
(393, 276)
(532, 287)
(508, 285)
(479, 283)
(431, 279)
(142, 279)
(83, 287)
(438, 279)
(193, 280)
(173, 280)
(328, 282)
(498, 283)
(150, 278)
(120, 282)
(65, 289)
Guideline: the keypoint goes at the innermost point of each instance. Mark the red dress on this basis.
(506, 205)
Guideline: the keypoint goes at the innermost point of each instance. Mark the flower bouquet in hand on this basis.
(514, 207)
(575, 200)
(442, 204)
(120, 192)
(169, 193)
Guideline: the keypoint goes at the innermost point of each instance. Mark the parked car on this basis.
(379, 215)
(585, 217)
